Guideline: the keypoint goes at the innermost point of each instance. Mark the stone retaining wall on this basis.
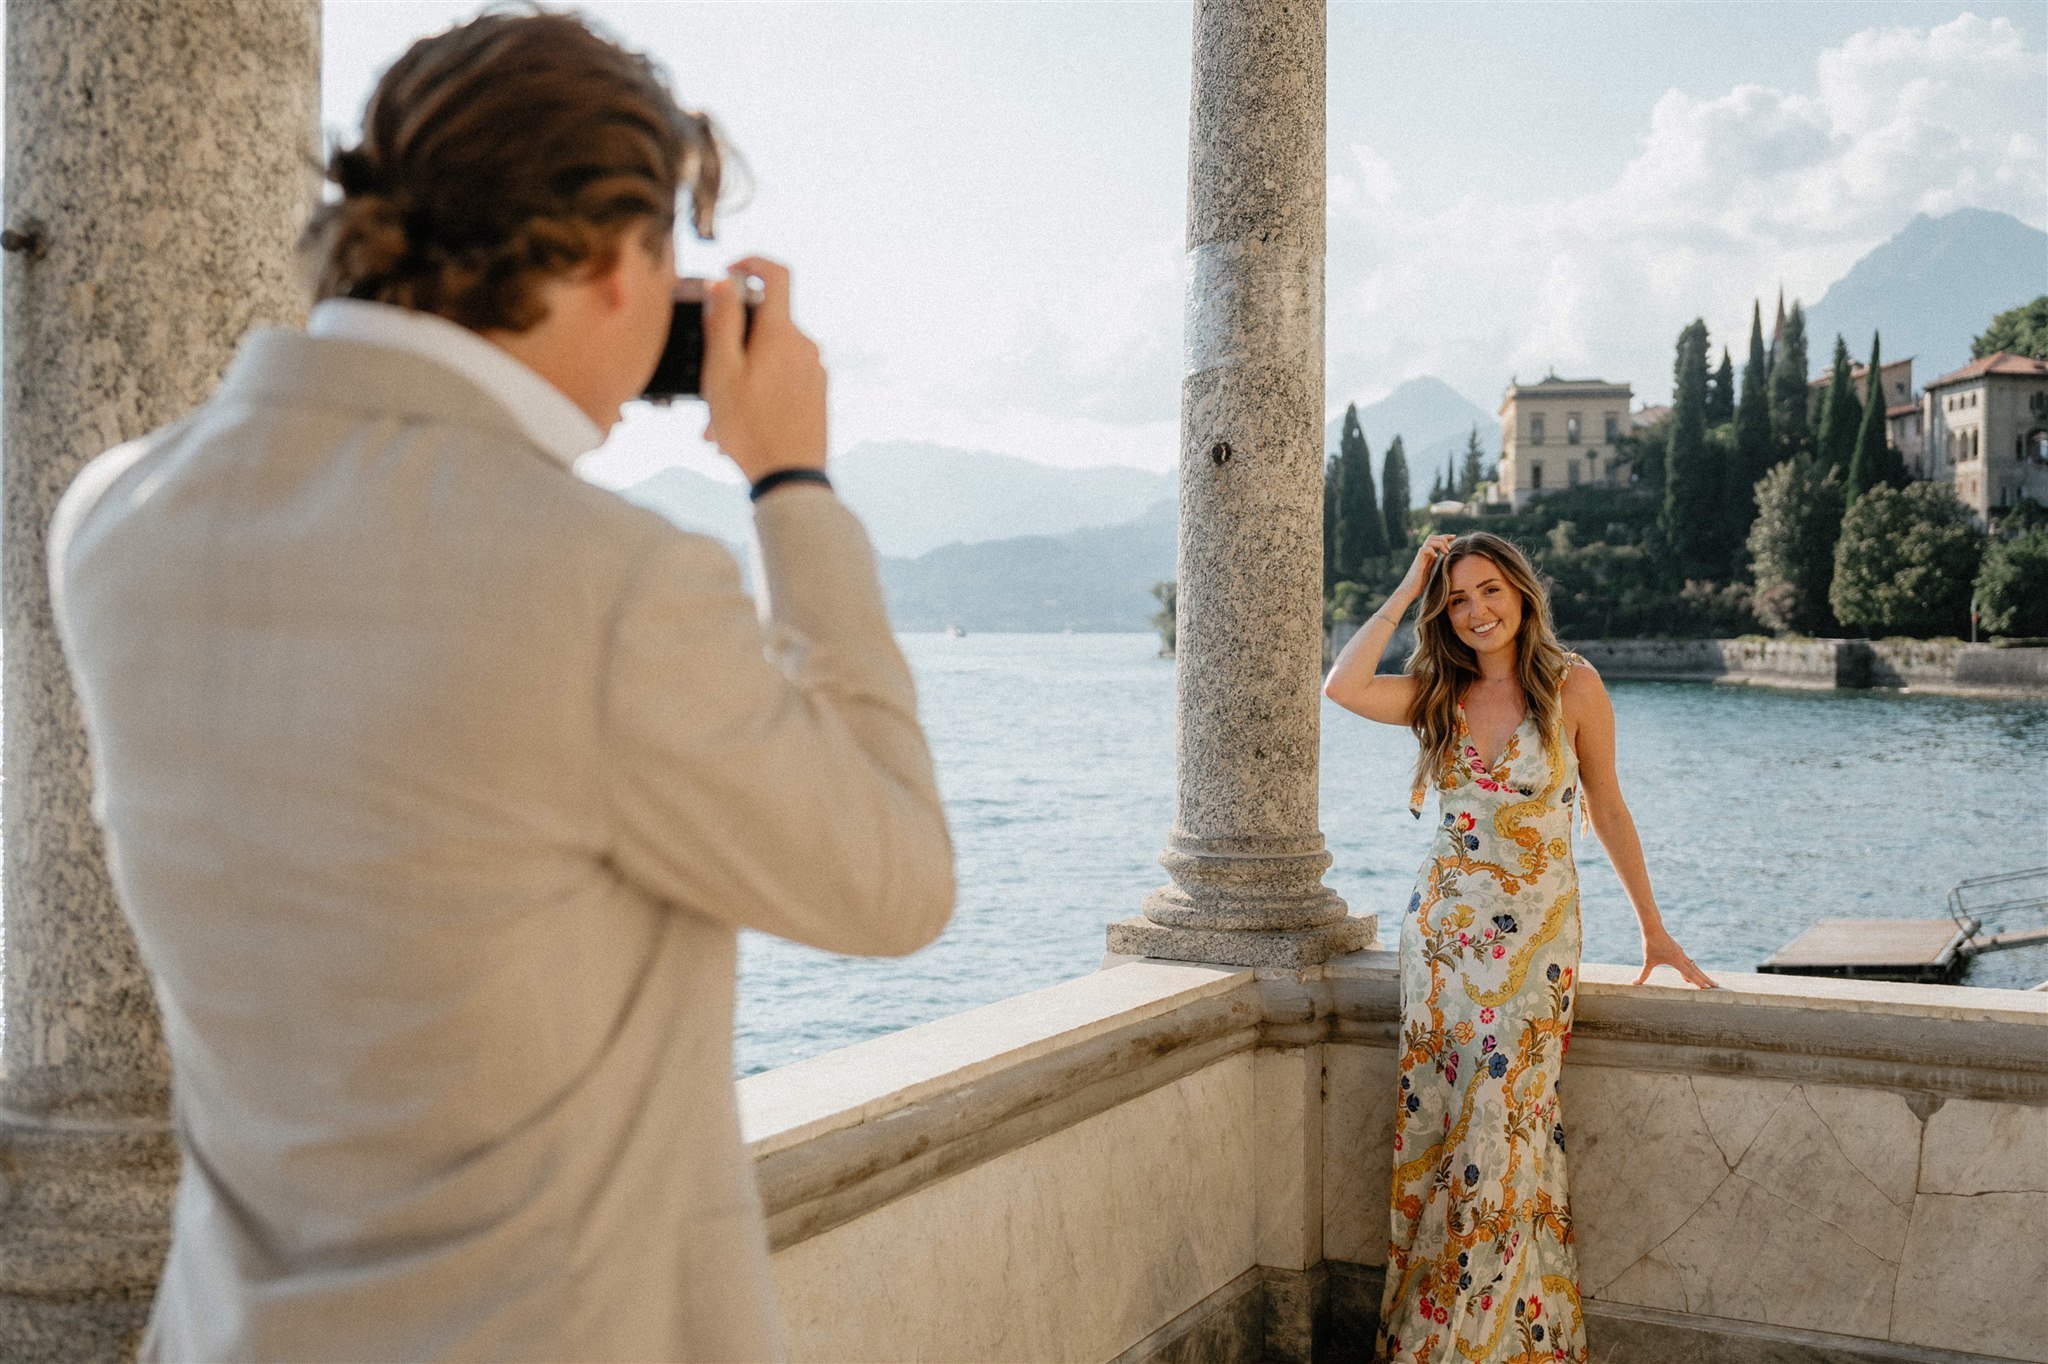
(1920, 665)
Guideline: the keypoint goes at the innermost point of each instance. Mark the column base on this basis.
(1140, 937)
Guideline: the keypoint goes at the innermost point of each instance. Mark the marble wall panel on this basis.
(1075, 1246)
(1975, 1258)
(1642, 1159)
(1972, 1275)
(1759, 1200)
(1361, 1085)
(1287, 1087)
(1976, 1147)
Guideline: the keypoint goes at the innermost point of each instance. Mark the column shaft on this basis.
(1246, 853)
(160, 164)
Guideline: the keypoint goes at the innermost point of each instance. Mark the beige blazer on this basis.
(436, 784)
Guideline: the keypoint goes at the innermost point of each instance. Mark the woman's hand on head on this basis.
(766, 390)
(1661, 949)
(1426, 559)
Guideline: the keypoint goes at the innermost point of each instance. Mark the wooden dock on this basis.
(1924, 950)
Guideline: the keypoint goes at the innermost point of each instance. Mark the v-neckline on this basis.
(1465, 725)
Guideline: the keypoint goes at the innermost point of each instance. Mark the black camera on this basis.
(680, 371)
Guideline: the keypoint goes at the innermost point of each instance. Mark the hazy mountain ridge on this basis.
(1931, 289)
(1433, 421)
(916, 497)
(1099, 578)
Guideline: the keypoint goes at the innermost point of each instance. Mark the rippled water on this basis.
(1760, 812)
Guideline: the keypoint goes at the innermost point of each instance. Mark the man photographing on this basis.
(437, 783)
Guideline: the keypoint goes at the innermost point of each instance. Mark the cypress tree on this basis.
(1394, 497)
(1329, 522)
(1753, 453)
(1361, 533)
(1841, 416)
(1789, 428)
(1453, 489)
(1690, 492)
(1721, 396)
(1868, 466)
(1475, 469)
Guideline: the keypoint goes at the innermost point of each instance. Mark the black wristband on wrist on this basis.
(768, 483)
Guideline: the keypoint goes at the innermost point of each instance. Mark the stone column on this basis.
(160, 164)
(1246, 853)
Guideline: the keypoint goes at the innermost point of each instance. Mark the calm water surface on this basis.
(1760, 812)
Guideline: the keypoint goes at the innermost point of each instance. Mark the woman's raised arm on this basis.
(1591, 717)
(1354, 682)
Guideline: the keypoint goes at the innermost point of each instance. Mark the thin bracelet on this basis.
(768, 483)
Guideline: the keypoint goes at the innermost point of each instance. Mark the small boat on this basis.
(956, 632)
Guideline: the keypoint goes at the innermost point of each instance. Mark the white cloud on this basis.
(1728, 197)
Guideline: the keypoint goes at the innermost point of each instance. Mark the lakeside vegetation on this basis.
(1739, 515)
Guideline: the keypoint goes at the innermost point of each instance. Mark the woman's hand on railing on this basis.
(1661, 949)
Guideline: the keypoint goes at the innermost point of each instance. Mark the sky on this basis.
(984, 203)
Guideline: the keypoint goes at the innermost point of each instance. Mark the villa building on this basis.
(1987, 432)
(1559, 433)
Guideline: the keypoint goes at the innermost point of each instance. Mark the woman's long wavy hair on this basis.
(1443, 666)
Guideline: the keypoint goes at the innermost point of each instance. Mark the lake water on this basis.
(1760, 811)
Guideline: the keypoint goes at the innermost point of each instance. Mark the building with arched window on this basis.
(1987, 432)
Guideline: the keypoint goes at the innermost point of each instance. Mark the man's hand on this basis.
(766, 391)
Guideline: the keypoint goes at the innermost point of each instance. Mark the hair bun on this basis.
(369, 239)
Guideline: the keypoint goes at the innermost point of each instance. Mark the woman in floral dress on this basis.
(1513, 730)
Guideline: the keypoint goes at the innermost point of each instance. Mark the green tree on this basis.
(1788, 389)
(2018, 331)
(1691, 491)
(1721, 393)
(1792, 546)
(1474, 472)
(1754, 454)
(1329, 523)
(1906, 562)
(1394, 496)
(1361, 533)
(1166, 620)
(2011, 596)
(1874, 460)
(1841, 415)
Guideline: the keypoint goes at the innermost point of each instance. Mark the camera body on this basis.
(680, 371)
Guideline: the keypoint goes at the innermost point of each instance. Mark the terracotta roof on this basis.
(2000, 362)
(1858, 372)
(1901, 409)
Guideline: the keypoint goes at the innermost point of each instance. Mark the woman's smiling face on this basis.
(1485, 612)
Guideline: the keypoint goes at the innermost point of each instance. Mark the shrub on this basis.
(1792, 547)
(2012, 586)
(1906, 561)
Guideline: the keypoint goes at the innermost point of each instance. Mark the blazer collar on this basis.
(278, 364)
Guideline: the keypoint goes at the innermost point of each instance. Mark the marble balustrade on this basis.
(1173, 1162)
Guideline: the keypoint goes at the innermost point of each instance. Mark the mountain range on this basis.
(1433, 420)
(916, 497)
(1931, 289)
(991, 542)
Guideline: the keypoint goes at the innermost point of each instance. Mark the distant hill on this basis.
(915, 497)
(1098, 578)
(1931, 289)
(1433, 420)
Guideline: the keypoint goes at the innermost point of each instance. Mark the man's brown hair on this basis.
(508, 149)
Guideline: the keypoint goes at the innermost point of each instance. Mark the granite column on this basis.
(1246, 852)
(160, 165)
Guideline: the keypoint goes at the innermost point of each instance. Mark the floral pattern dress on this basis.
(1481, 1264)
